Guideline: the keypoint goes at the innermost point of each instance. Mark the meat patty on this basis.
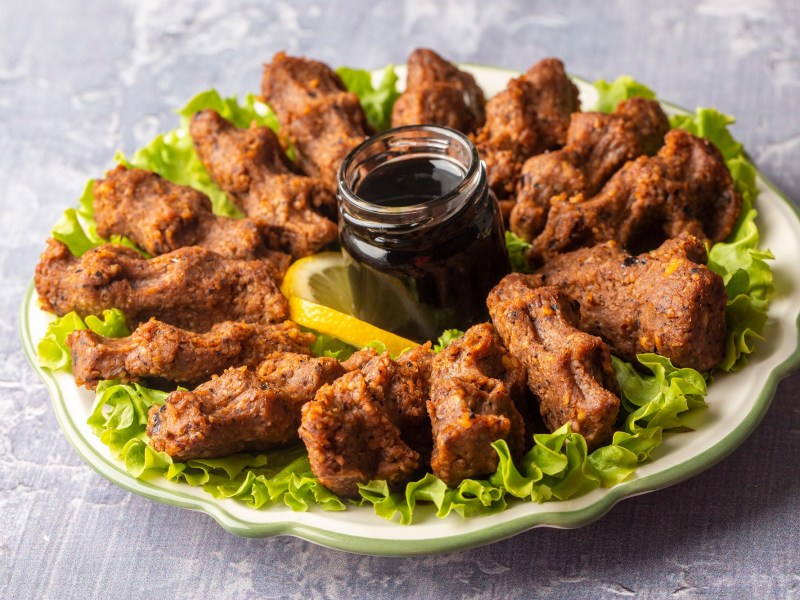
(527, 118)
(439, 93)
(346, 451)
(568, 370)
(190, 288)
(685, 188)
(597, 146)
(163, 351)
(666, 301)
(353, 428)
(241, 410)
(250, 165)
(409, 388)
(160, 216)
(317, 114)
(474, 387)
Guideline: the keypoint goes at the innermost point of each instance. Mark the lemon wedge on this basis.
(321, 278)
(350, 330)
(321, 297)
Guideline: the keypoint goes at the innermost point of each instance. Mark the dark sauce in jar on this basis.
(422, 231)
(410, 181)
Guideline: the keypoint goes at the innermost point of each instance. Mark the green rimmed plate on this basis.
(737, 403)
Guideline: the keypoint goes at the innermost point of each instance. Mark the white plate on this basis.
(736, 403)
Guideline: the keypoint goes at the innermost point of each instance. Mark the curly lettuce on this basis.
(448, 337)
(622, 88)
(738, 260)
(327, 345)
(517, 252)
(712, 125)
(377, 102)
(748, 282)
(52, 351)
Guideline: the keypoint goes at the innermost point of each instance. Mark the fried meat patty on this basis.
(439, 93)
(685, 188)
(529, 117)
(321, 119)
(568, 370)
(250, 165)
(241, 410)
(474, 388)
(191, 287)
(362, 426)
(156, 349)
(160, 216)
(666, 301)
(597, 146)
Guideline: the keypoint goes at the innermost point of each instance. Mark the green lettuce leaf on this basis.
(327, 345)
(622, 88)
(739, 260)
(748, 282)
(448, 337)
(469, 499)
(119, 414)
(53, 352)
(660, 399)
(242, 114)
(376, 102)
(712, 125)
(517, 252)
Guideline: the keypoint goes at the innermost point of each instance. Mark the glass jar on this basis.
(421, 230)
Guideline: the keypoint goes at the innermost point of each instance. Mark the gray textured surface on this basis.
(81, 79)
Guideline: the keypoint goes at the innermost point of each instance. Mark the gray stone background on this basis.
(80, 79)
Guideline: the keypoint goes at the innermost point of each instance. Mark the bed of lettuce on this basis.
(656, 396)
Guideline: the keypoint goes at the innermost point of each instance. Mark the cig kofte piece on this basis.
(370, 424)
(685, 188)
(439, 93)
(665, 301)
(191, 287)
(160, 216)
(250, 165)
(318, 116)
(159, 350)
(597, 146)
(568, 370)
(242, 410)
(474, 390)
(529, 117)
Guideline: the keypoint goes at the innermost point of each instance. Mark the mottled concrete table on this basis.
(81, 79)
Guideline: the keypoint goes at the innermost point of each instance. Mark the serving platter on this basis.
(736, 404)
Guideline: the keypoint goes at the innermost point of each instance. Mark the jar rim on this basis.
(451, 136)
